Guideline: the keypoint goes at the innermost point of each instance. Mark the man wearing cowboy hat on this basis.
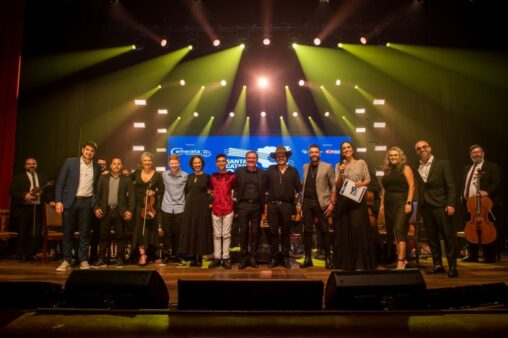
(283, 192)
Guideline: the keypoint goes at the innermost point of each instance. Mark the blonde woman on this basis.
(397, 200)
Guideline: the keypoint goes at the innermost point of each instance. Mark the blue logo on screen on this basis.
(236, 147)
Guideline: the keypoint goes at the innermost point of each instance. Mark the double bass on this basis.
(479, 230)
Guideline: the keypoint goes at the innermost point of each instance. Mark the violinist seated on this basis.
(28, 195)
(483, 178)
(115, 205)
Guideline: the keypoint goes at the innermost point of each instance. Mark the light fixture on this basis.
(162, 130)
(266, 41)
(138, 148)
(380, 148)
(317, 41)
(140, 102)
(360, 110)
(162, 111)
(379, 124)
(216, 42)
(378, 102)
(361, 130)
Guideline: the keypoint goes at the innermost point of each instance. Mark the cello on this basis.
(479, 230)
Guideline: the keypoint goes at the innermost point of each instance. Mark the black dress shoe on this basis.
(307, 263)
(285, 263)
(273, 263)
(215, 264)
(199, 261)
(253, 262)
(437, 269)
(243, 264)
(226, 263)
(452, 272)
(470, 259)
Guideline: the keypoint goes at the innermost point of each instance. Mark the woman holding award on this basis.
(354, 245)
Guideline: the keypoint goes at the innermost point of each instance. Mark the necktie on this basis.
(470, 179)
(34, 182)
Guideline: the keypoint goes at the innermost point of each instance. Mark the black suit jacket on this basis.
(126, 197)
(19, 187)
(439, 190)
(240, 184)
(490, 181)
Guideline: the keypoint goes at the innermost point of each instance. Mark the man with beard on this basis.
(28, 197)
(436, 199)
(319, 193)
(283, 191)
(489, 183)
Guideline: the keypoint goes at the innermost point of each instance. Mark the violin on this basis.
(479, 229)
(148, 211)
(36, 192)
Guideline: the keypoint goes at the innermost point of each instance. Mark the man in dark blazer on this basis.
(115, 204)
(27, 200)
(250, 198)
(74, 192)
(489, 185)
(437, 201)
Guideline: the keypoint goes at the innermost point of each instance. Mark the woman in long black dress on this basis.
(147, 183)
(397, 200)
(196, 232)
(354, 244)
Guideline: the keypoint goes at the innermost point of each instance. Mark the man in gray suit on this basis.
(318, 202)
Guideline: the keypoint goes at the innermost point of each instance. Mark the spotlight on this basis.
(295, 113)
(266, 41)
(337, 82)
(327, 113)
(388, 44)
(216, 42)
(159, 86)
(231, 114)
(301, 83)
(321, 86)
(164, 42)
(363, 40)
(263, 114)
(356, 87)
(178, 118)
(263, 82)
(223, 83)
(133, 47)
(317, 41)
(182, 82)
(202, 87)
(294, 45)
(340, 45)
(190, 47)
(242, 46)
(196, 114)
(212, 117)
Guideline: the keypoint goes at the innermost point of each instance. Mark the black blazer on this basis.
(20, 185)
(439, 190)
(240, 184)
(126, 197)
(490, 181)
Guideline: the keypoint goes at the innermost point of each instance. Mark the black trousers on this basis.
(112, 220)
(171, 225)
(438, 223)
(29, 229)
(310, 210)
(249, 218)
(279, 216)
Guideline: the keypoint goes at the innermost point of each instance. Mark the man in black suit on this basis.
(437, 200)
(115, 204)
(250, 198)
(74, 191)
(28, 198)
(489, 185)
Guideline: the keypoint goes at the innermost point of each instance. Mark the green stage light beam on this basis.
(480, 65)
(317, 131)
(246, 132)
(188, 111)
(296, 124)
(172, 127)
(337, 108)
(238, 122)
(368, 97)
(43, 70)
(208, 70)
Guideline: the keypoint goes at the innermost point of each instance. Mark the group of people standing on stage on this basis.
(197, 209)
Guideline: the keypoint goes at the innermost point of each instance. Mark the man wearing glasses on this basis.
(437, 203)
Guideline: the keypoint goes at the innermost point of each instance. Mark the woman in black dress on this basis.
(196, 232)
(354, 247)
(397, 200)
(147, 182)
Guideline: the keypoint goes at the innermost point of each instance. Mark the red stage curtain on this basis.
(11, 28)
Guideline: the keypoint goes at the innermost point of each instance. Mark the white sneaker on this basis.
(84, 265)
(64, 266)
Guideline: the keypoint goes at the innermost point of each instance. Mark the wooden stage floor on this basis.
(469, 273)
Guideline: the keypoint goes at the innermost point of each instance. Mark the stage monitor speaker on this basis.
(261, 295)
(493, 295)
(116, 289)
(29, 295)
(376, 290)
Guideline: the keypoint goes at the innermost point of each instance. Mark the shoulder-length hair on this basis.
(354, 153)
(399, 166)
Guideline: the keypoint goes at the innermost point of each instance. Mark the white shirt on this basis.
(85, 186)
(424, 168)
(38, 201)
(473, 187)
